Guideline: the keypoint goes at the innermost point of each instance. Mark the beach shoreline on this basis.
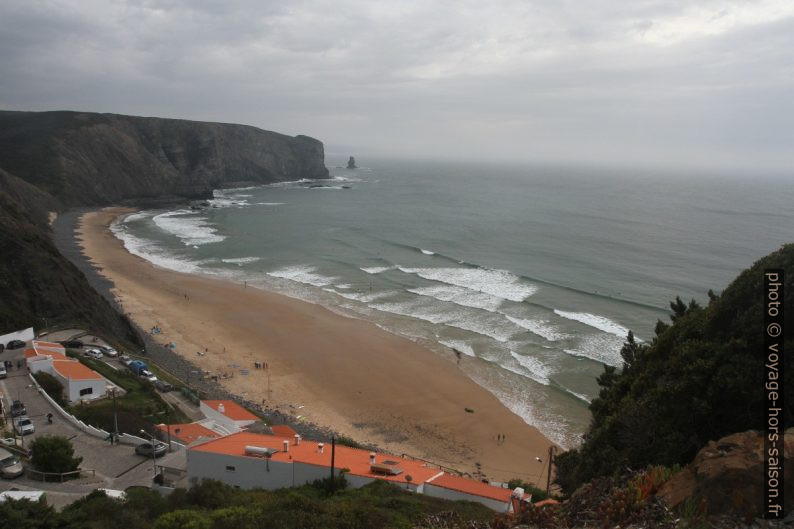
(334, 371)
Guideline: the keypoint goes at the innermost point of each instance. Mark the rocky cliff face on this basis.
(91, 159)
(52, 160)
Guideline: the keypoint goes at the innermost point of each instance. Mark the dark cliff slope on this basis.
(53, 160)
(86, 159)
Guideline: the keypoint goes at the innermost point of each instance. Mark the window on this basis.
(86, 391)
(230, 468)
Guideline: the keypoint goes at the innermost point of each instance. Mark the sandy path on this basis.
(336, 371)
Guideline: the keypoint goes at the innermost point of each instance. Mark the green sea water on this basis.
(535, 274)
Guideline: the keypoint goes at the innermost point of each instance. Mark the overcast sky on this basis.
(706, 83)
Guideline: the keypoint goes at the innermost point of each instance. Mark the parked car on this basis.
(23, 425)
(15, 344)
(108, 351)
(163, 386)
(10, 441)
(96, 354)
(71, 344)
(147, 375)
(3, 372)
(10, 465)
(125, 359)
(146, 449)
(18, 409)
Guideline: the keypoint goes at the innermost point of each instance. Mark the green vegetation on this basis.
(213, 505)
(698, 380)
(54, 454)
(139, 408)
(538, 494)
(51, 386)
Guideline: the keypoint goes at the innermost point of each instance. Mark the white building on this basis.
(79, 382)
(227, 414)
(25, 335)
(249, 460)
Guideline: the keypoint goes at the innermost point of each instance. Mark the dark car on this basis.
(163, 386)
(15, 344)
(146, 449)
(72, 344)
(18, 409)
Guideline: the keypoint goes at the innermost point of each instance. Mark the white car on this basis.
(23, 425)
(125, 359)
(96, 354)
(147, 375)
(109, 351)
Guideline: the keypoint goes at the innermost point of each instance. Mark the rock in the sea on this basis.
(727, 477)
(351, 163)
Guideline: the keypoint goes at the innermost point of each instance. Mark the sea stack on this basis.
(351, 163)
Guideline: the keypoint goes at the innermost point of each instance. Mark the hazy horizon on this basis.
(651, 84)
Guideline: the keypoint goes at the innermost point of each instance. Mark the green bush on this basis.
(54, 454)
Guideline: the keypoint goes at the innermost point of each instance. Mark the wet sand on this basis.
(339, 372)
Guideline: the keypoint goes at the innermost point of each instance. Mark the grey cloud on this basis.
(645, 82)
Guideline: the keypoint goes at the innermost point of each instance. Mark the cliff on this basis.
(93, 159)
(50, 161)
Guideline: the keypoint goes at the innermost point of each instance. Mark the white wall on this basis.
(73, 388)
(447, 494)
(25, 335)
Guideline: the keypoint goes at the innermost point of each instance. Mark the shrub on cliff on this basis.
(701, 378)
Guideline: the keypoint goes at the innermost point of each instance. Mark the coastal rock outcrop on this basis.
(727, 476)
(53, 160)
(90, 159)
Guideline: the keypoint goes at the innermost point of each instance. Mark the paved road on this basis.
(116, 466)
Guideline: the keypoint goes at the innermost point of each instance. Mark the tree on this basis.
(54, 454)
(52, 386)
(183, 520)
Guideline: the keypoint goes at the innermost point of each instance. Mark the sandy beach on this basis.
(340, 372)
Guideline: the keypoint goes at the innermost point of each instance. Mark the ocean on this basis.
(534, 274)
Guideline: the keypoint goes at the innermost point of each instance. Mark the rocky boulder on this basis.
(727, 477)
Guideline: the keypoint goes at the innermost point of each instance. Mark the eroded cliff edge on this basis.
(85, 158)
(51, 161)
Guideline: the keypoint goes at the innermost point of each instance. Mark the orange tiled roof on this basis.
(354, 459)
(232, 410)
(470, 486)
(49, 345)
(31, 353)
(188, 432)
(75, 370)
(283, 430)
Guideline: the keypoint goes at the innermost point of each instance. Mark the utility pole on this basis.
(115, 417)
(552, 449)
(333, 457)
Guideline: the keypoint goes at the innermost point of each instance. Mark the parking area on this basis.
(115, 466)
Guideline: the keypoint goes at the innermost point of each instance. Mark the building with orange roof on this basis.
(228, 414)
(188, 433)
(79, 381)
(250, 460)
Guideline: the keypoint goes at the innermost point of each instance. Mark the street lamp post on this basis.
(112, 390)
(154, 444)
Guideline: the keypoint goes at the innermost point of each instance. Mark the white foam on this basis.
(603, 348)
(540, 328)
(132, 217)
(460, 296)
(241, 260)
(536, 369)
(377, 269)
(597, 322)
(458, 345)
(344, 286)
(270, 203)
(500, 283)
(303, 274)
(151, 252)
(360, 296)
(427, 252)
(486, 324)
(192, 231)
